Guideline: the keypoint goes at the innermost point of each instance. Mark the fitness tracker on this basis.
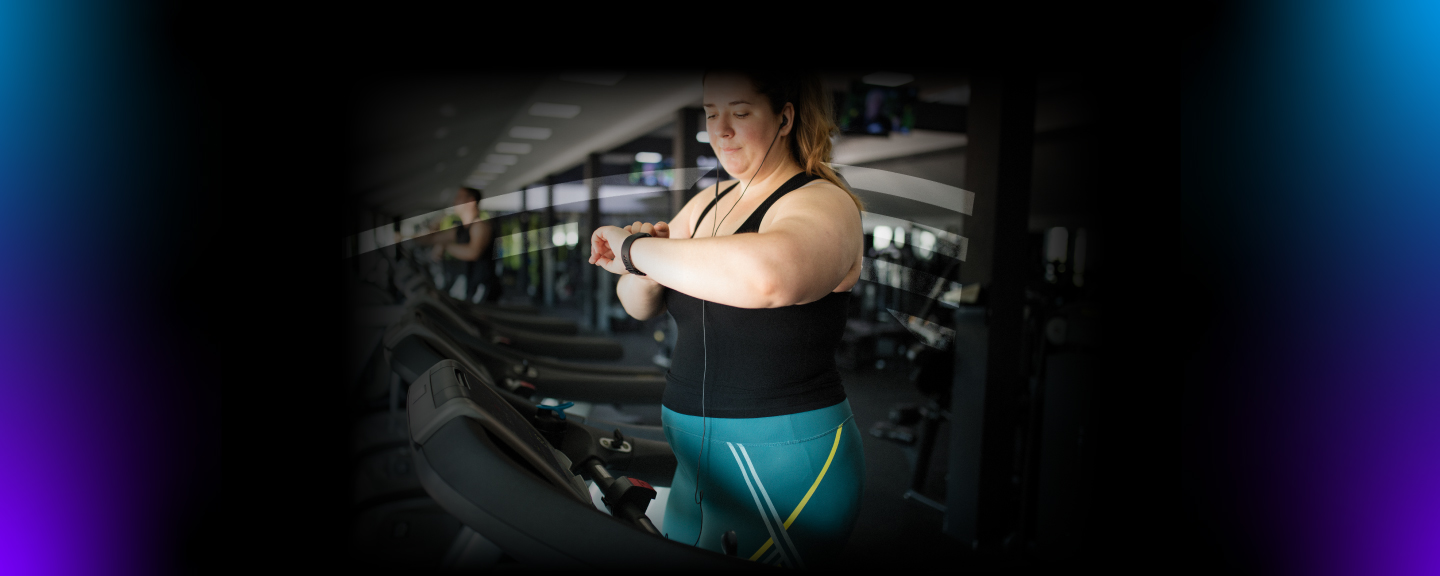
(625, 252)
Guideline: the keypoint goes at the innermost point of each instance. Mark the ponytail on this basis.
(810, 143)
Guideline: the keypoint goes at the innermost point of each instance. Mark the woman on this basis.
(757, 278)
(466, 248)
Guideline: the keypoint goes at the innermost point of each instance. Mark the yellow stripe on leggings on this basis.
(788, 521)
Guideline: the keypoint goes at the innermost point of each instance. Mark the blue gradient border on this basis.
(1321, 199)
(94, 442)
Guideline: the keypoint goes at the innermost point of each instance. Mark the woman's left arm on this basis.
(807, 247)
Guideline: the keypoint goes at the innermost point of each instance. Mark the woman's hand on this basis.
(605, 244)
(658, 230)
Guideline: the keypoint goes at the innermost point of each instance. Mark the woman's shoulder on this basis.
(822, 185)
(817, 194)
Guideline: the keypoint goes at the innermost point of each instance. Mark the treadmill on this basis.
(521, 373)
(398, 525)
(512, 472)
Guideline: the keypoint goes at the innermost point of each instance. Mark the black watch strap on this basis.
(625, 252)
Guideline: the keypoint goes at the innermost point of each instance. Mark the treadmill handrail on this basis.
(570, 385)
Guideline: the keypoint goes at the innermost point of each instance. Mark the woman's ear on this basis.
(787, 119)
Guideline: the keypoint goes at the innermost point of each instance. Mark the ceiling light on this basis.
(593, 77)
(888, 79)
(554, 110)
(702, 136)
(440, 167)
(881, 237)
(529, 132)
(493, 168)
(512, 148)
(648, 157)
(505, 159)
(483, 176)
(462, 152)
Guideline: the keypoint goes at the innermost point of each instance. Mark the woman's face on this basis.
(741, 124)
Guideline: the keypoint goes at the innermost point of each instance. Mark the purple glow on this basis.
(80, 489)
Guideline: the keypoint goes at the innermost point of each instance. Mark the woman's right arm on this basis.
(642, 297)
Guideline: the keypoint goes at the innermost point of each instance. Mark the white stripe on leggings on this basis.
(799, 562)
(763, 517)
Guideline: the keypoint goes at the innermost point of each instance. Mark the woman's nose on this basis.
(721, 128)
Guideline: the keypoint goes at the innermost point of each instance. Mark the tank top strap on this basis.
(752, 224)
(712, 205)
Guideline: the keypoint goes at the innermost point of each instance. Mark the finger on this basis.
(648, 229)
(636, 227)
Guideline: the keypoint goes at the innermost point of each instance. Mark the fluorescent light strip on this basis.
(512, 147)
(530, 132)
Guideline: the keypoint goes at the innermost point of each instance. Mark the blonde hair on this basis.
(814, 122)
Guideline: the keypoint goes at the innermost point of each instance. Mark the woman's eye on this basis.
(742, 115)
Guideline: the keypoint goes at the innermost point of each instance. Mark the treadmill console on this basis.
(448, 391)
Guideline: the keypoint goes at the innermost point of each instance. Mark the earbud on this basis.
(784, 121)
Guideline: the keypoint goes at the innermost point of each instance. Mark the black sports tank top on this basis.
(755, 362)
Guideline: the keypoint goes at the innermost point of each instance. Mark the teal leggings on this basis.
(789, 486)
